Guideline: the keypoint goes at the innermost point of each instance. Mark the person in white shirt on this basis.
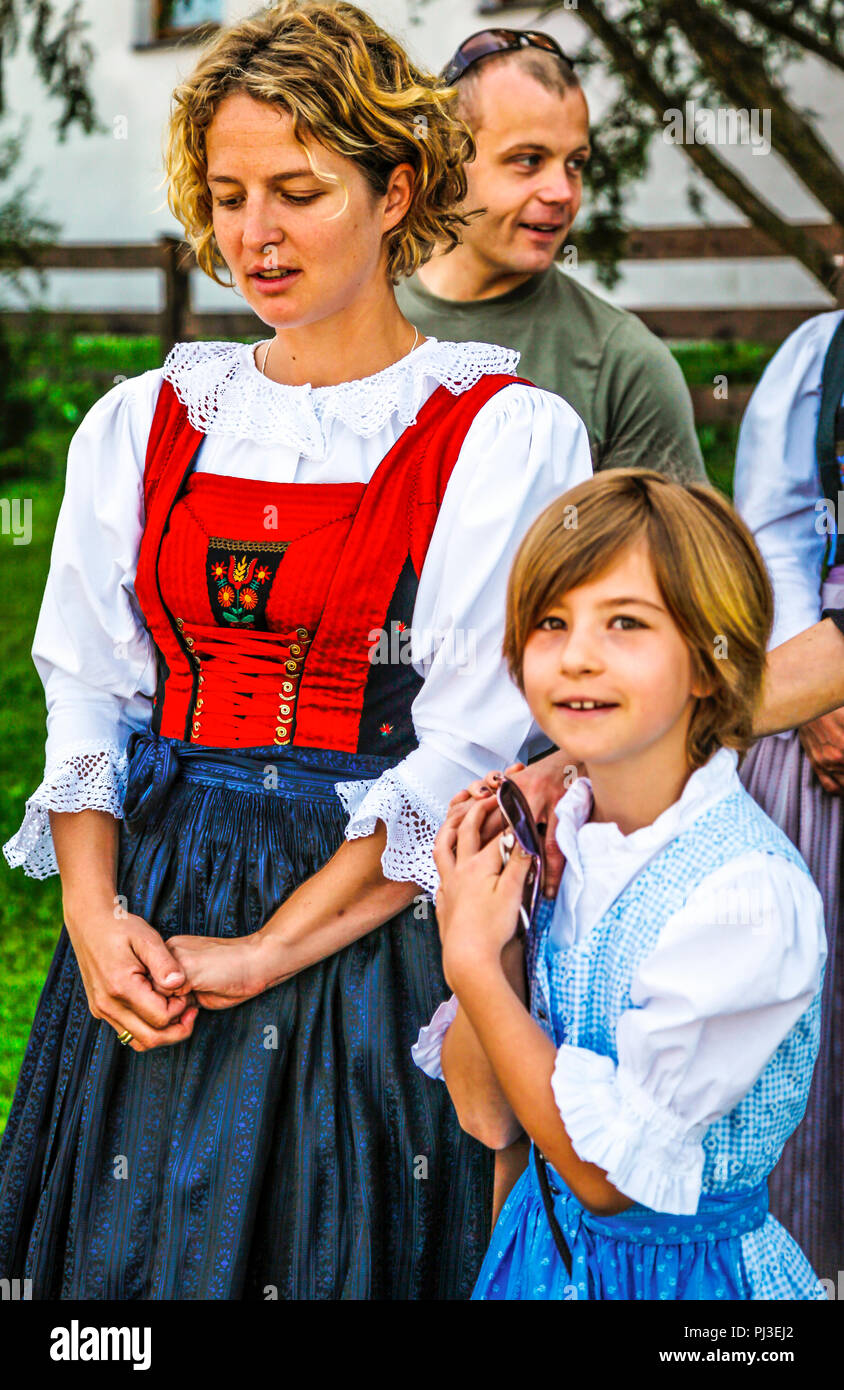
(271, 649)
(798, 776)
(804, 677)
(666, 1050)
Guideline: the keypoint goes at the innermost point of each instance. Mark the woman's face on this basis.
(300, 247)
(611, 645)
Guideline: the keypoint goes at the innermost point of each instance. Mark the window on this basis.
(177, 17)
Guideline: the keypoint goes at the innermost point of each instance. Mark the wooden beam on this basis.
(683, 242)
(221, 325)
(719, 242)
(751, 324)
(91, 255)
(174, 314)
(119, 322)
(766, 325)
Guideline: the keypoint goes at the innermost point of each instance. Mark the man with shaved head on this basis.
(523, 101)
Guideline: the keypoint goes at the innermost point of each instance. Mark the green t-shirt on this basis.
(622, 381)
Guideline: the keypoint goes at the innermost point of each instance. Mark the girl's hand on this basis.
(479, 898)
(482, 789)
(222, 971)
(543, 783)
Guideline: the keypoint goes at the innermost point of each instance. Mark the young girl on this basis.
(674, 983)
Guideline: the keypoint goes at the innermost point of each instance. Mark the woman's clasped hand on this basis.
(224, 971)
(221, 972)
(132, 980)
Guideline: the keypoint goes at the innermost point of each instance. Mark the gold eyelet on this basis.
(284, 709)
(295, 649)
(291, 666)
(302, 632)
(286, 687)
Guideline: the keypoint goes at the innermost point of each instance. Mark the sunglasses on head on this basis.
(489, 41)
(519, 819)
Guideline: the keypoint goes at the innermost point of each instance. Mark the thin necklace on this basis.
(272, 340)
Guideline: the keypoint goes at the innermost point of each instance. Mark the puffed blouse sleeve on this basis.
(523, 449)
(427, 1051)
(91, 649)
(731, 974)
(776, 486)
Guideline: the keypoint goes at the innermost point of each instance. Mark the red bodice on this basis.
(262, 597)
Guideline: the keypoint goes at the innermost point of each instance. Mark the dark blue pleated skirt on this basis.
(289, 1148)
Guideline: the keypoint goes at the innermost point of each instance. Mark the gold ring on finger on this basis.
(125, 1037)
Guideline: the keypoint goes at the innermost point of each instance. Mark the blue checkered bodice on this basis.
(580, 991)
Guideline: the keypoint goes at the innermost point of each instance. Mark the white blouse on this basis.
(95, 655)
(776, 478)
(698, 1035)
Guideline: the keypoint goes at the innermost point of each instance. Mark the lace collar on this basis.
(601, 861)
(576, 834)
(225, 392)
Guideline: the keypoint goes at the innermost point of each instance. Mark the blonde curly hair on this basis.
(350, 86)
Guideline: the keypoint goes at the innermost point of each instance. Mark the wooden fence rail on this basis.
(176, 321)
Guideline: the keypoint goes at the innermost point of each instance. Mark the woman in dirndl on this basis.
(798, 776)
(271, 649)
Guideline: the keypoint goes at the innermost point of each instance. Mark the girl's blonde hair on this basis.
(351, 87)
(710, 574)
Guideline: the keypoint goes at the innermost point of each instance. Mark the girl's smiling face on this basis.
(607, 672)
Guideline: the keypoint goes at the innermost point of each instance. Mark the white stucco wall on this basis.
(107, 187)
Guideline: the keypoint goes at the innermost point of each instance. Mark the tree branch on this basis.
(787, 28)
(636, 71)
(740, 74)
(62, 53)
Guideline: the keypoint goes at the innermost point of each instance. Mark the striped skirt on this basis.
(806, 1186)
(288, 1149)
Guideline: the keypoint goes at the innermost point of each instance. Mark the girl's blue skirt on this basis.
(290, 1148)
(730, 1249)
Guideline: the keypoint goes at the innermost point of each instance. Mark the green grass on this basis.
(64, 376)
(30, 911)
(742, 363)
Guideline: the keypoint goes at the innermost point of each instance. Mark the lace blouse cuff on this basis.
(412, 817)
(92, 778)
(648, 1154)
(427, 1050)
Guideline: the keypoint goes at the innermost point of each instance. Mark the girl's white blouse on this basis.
(95, 655)
(731, 974)
(776, 485)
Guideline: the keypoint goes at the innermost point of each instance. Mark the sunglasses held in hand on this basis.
(519, 819)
